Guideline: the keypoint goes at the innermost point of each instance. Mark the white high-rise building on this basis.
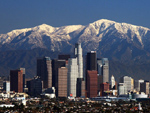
(103, 69)
(112, 81)
(128, 82)
(122, 89)
(72, 76)
(78, 55)
(6, 86)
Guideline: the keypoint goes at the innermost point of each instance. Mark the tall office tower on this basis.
(6, 86)
(78, 54)
(34, 86)
(144, 87)
(16, 80)
(62, 82)
(112, 82)
(91, 83)
(44, 71)
(103, 69)
(80, 87)
(91, 63)
(126, 80)
(64, 57)
(83, 88)
(56, 64)
(122, 89)
(23, 69)
(103, 88)
(72, 76)
(137, 84)
(99, 82)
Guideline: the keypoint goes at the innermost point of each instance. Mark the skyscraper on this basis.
(62, 82)
(112, 82)
(103, 88)
(91, 61)
(80, 87)
(34, 86)
(103, 69)
(16, 80)
(72, 76)
(127, 81)
(44, 71)
(6, 86)
(144, 87)
(80, 82)
(99, 82)
(137, 84)
(83, 91)
(122, 89)
(92, 83)
(23, 69)
(56, 64)
(78, 55)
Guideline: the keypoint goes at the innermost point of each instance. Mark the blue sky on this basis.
(16, 14)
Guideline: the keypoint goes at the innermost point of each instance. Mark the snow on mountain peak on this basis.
(44, 27)
(119, 26)
(68, 29)
(133, 30)
(103, 24)
(104, 20)
(100, 27)
(6, 38)
(97, 30)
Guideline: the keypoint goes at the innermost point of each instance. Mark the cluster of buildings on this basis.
(68, 77)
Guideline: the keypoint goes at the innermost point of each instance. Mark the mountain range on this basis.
(125, 45)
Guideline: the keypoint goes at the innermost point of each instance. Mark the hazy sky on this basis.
(16, 14)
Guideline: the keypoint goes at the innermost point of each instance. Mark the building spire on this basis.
(78, 55)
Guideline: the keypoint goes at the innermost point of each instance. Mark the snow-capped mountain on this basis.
(108, 38)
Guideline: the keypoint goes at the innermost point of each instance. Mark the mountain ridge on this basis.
(125, 45)
(51, 29)
(121, 40)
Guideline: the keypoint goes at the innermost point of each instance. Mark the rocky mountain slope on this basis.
(127, 46)
(117, 41)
